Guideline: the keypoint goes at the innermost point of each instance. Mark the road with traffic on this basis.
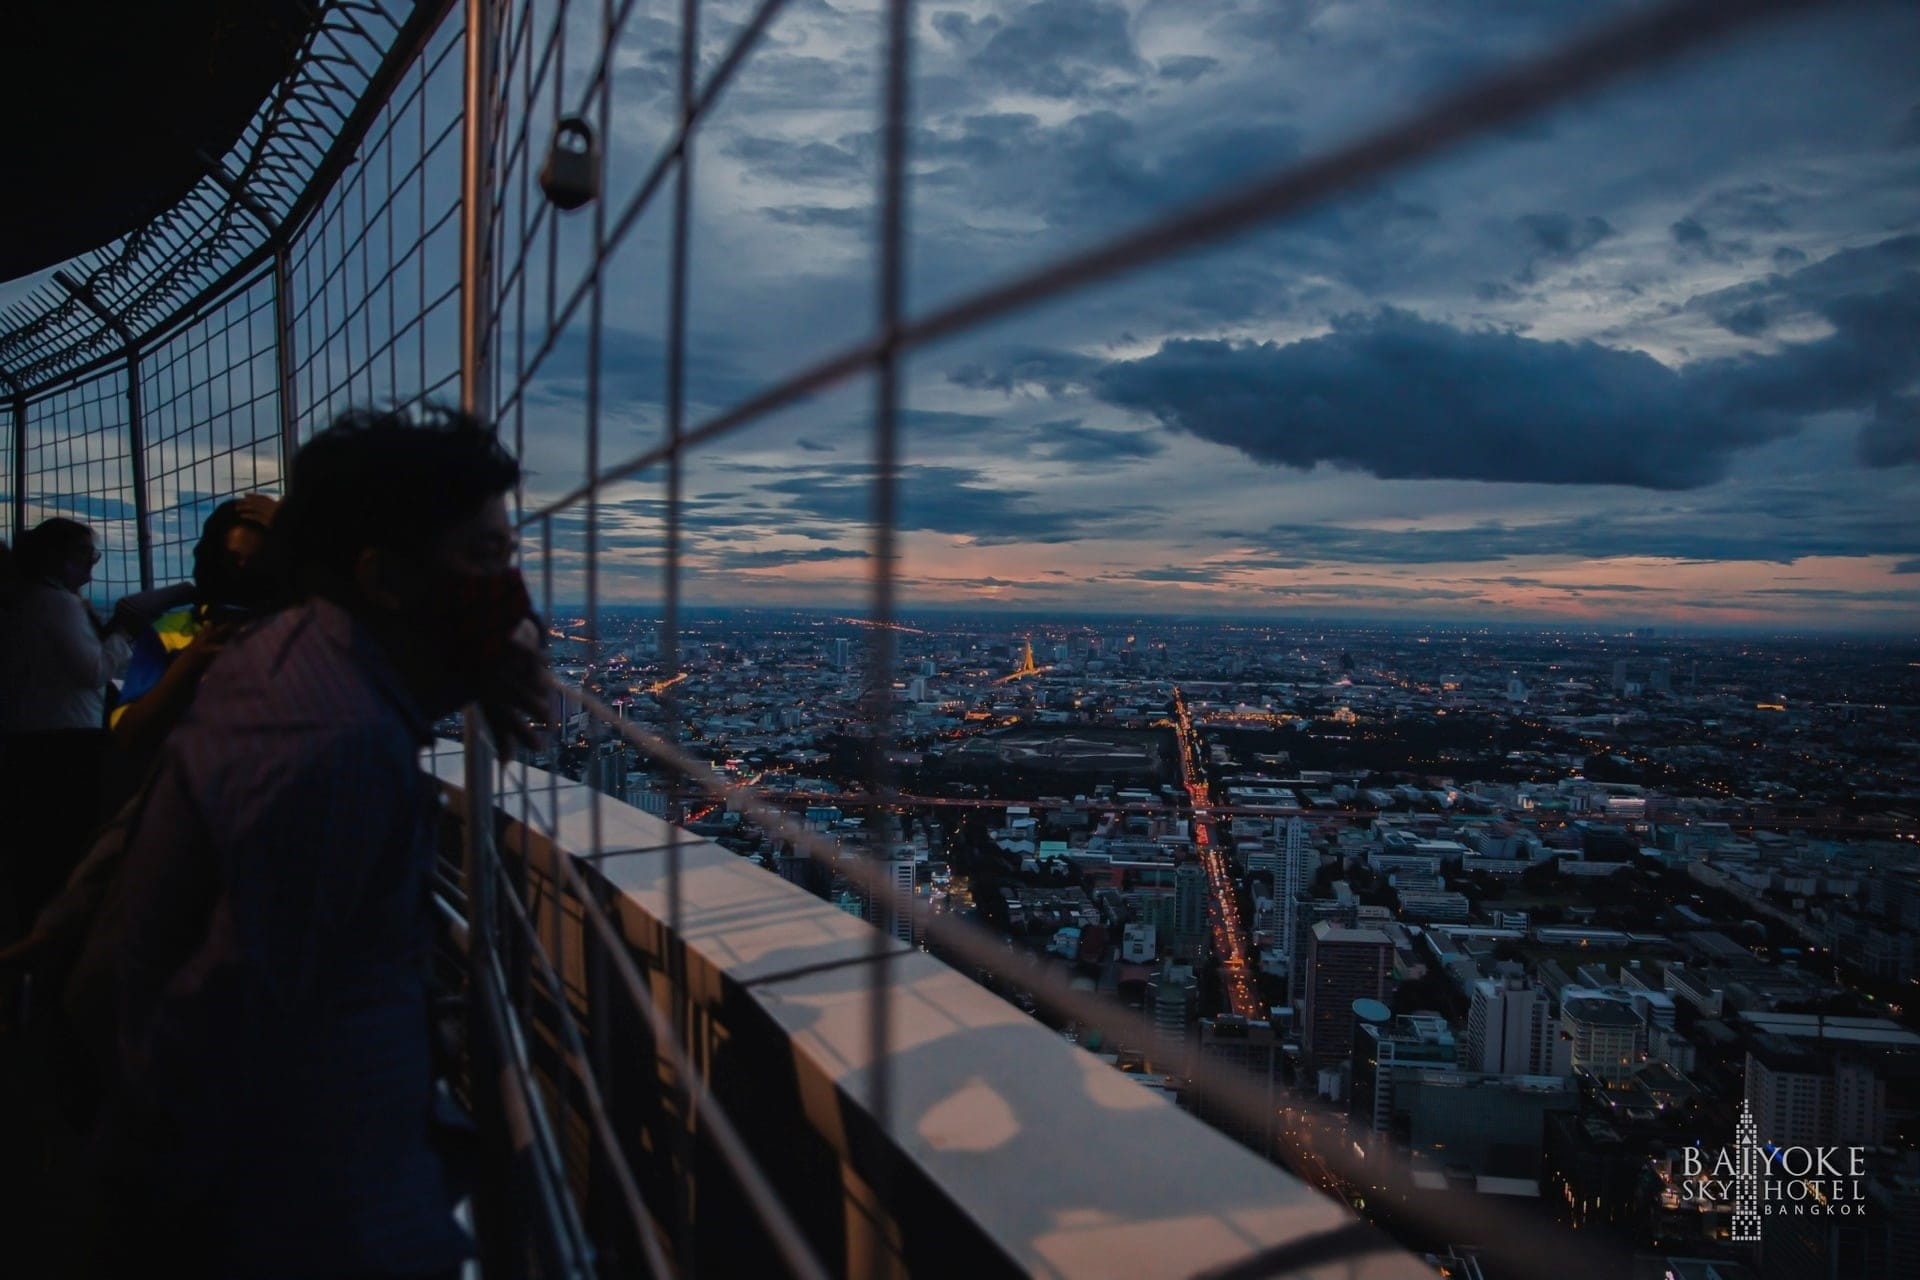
(1237, 975)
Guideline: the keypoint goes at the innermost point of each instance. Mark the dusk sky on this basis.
(1653, 358)
(1650, 359)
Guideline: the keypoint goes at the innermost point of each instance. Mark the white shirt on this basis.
(54, 666)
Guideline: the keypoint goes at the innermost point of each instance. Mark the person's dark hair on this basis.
(216, 582)
(47, 546)
(213, 535)
(383, 480)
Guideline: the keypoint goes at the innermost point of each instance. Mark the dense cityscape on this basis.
(1532, 919)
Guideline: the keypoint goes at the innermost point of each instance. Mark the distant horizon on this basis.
(906, 614)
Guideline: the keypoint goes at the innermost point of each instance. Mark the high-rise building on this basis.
(1190, 912)
(1295, 879)
(607, 770)
(1306, 913)
(798, 869)
(1806, 1099)
(1173, 994)
(1231, 1046)
(842, 652)
(1607, 1037)
(648, 793)
(1511, 1030)
(1343, 965)
(1383, 1044)
(893, 913)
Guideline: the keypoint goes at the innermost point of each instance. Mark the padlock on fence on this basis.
(571, 176)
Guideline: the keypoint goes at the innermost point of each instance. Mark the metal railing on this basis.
(378, 236)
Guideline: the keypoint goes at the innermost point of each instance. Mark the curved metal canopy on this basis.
(114, 109)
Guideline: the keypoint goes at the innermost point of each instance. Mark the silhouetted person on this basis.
(232, 584)
(70, 946)
(277, 1080)
(55, 661)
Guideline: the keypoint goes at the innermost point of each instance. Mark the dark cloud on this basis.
(1753, 206)
(775, 81)
(1692, 241)
(1778, 524)
(1058, 48)
(1068, 441)
(656, 72)
(1572, 588)
(802, 162)
(1796, 290)
(960, 28)
(857, 218)
(1749, 321)
(84, 506)
(943, 422)
(1908, 566)
(937, 499)
(1865, 365)
(1096, 170)
(1838, 593)
(1558, 237)
(814, 446)
(1028, 368)
(1187, 68)
(1892, 438)
(775, 559)
(1369, 592)
(633, 369)
(1171, 573)
(1406, 398)
(1000, 584)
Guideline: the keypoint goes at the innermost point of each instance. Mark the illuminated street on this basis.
(1230, 938)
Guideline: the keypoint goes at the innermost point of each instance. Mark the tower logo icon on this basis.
(1750, 1164)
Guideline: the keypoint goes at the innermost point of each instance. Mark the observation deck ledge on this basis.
(1062, 1165)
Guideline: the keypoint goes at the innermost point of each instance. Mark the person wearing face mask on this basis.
(272, 1113)
(56, 658)
(231, 586)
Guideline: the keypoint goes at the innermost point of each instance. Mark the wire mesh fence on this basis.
(387, 284)
(373, 276)
(220, 231)
(78, 463)
(211, 403)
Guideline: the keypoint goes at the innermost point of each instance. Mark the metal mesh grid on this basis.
(374, 278)
(78, 465)
(210, 406)
(220, 230)
(15, 410)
